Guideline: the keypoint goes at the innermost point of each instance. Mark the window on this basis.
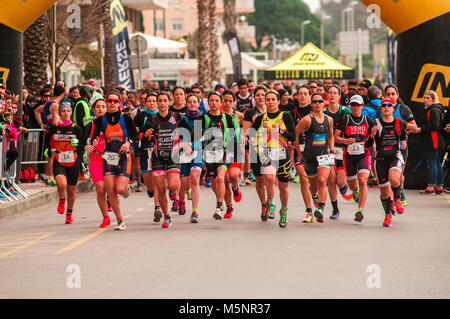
(177, 25)
(159, 25)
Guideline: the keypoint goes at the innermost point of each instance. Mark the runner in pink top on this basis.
(96, 163)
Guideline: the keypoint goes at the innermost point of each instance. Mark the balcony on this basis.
(242, 7)
(145, 4)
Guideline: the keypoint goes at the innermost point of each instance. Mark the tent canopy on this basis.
(309, 63)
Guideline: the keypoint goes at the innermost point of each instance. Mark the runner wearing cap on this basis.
(390, 138)
(355, 131)
(66, 138)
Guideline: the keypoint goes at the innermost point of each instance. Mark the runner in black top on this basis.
(302, 108)
(355, 131)
(319, 142)
(390, 139)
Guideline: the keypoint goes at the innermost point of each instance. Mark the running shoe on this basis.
(251, 176)
(121, 225)
(217, 214)
(43, 178)
(399, 207)
(271, 211)
(151, 194)
(404, 203)
(109, 207)
(335, 215)
(52, 182)
(315, 201)
(106, 222)
(69, 219)
(296, 179)
(353, 197)
(359, 216)
(189, 194)
(428, 191)
(237, 195)
(167, 222)
(182, 208)
(283, 219)
(172, 196)
(387, 221)
(318, 213)
(229, 212)
(343, 190)
(207, 182)
(264, 209)
(158, 214)
(194, 218)
(439, 191)
(175, 206)
(308, 218)
(241, 181)
(247, 181)
(138, 188)
(61, 206)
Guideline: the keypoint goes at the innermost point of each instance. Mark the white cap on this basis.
(357, 99)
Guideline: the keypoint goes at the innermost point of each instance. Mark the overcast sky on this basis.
(313, 4)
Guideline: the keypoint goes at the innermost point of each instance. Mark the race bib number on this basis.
(324, 160)
(149, 158)
(214, 156)
(66, 157)
(111, 158)
(277, 154)
(356, 149)
(339, 152)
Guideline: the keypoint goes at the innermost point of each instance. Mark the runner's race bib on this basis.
(111, 158)
(356, 149)
(339, 152)
(277, 154)
(66, 157)
(214, 156)
(324, 160)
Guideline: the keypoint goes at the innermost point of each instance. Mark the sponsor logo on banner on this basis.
(433, 77)
(124, 73)
(3, 75)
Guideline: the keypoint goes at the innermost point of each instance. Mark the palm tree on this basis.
(229, 17)
(203, 41)
(35, 57)
(108, 60)
(214, 63)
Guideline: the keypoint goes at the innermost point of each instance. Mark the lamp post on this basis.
(303, 30)
(323, 18)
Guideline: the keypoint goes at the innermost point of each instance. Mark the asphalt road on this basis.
(41, 257)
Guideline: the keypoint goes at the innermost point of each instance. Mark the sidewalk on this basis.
(39, 194)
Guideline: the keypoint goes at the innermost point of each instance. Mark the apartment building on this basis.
(174, 19)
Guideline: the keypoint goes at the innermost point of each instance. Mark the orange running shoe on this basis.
(387, 221)
(61, 206)
(106, 222)
(399, 207)
(69, 219)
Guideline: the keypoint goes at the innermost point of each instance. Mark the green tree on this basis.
(283, 20)
(92, 60)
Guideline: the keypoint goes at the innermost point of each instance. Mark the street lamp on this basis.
(325, 17)
(303, 30)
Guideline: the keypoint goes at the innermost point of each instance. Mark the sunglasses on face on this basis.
(353, 89)
(196, 92)
(317, 101)
(112, 101)
(46, 95)
(312, 87)
(387, 105)
(355, 104)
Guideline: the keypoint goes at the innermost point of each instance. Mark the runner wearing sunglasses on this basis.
(317, 160)
(119, 132)
(390, 138)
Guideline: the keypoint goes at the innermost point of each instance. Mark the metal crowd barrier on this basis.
(8, 177)
(33, 148)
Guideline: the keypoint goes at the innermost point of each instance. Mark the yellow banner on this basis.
(4, 75)
(433, 77)
(402, 15)
(20, 14)
(118, 17)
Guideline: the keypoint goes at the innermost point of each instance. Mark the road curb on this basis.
(45, 196)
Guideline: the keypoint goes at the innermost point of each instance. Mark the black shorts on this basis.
(311, 166)
(384, 166)
(164, 167)
(355, 164)
(283, 168)
(70, 172)
(213, 168)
